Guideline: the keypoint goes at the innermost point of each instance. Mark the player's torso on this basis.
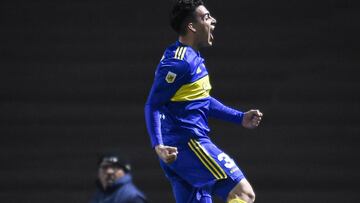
(185, 115)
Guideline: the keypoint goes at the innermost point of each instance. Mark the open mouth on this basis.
(212, 33)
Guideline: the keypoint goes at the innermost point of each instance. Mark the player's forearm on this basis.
(152, 118)
(220, 111)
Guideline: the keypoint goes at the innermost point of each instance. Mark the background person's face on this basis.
(108, 174)
(204, 25)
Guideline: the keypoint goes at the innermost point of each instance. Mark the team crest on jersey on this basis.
(170, 77)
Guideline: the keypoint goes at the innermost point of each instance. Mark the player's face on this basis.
(109, 173)
(204, 25)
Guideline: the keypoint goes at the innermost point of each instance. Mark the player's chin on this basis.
(209, 43)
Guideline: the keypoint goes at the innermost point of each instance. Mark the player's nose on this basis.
(213, 21)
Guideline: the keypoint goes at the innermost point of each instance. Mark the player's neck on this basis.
(188, 41)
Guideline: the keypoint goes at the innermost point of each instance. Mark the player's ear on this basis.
(191, 27)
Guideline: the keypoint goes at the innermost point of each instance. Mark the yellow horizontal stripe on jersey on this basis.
(193, 91)
(214, 164)
(204, 161)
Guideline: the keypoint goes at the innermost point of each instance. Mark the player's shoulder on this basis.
(182, 54)
(174, 59)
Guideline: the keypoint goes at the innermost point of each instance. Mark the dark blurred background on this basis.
(74, 77)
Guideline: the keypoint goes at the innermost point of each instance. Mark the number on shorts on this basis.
(229, 163)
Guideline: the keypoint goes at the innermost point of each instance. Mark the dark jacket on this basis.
(122, 191)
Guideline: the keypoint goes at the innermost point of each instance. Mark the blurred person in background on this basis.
(114, 183)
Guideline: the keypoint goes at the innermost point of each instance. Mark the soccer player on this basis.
(177, 111)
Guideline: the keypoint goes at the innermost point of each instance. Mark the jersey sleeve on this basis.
(169, 77)
(220, 111)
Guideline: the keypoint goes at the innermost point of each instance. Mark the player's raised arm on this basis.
(249, 119)
(220, 111)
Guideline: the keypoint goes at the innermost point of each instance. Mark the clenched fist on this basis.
(252, 118)
(166, 153)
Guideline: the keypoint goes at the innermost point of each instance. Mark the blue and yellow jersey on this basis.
(179, 102)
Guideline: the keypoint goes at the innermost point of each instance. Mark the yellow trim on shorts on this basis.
(219, 169)
(206, 164)
(207, 160)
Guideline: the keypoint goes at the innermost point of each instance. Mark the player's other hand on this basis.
(252, 118)
(166, 153)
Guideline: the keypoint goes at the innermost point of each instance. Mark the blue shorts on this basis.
(200, 170)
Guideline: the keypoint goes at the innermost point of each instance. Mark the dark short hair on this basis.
(115, 160)
(182, 13)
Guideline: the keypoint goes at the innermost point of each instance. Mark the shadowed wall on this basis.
(74, 76)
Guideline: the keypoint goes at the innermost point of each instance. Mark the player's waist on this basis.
(181, 126)
(182, 135)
